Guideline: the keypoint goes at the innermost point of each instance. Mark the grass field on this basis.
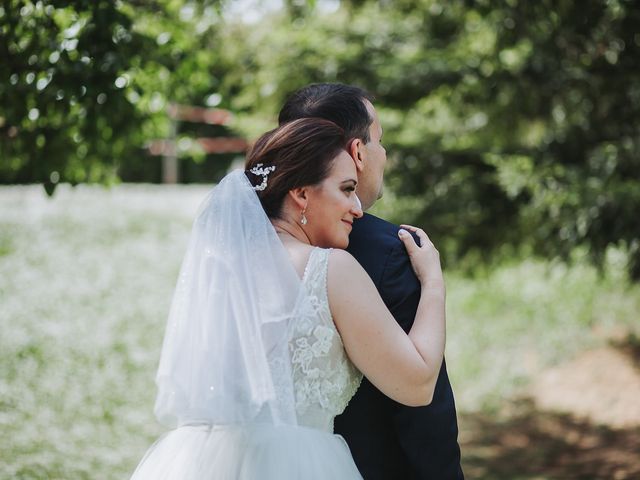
(86, 278)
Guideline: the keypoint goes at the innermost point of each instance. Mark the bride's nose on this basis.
(356, 210)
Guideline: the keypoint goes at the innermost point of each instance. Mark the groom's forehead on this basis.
(371, 109)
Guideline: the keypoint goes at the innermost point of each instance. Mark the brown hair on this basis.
(302, 152)
(343, 104)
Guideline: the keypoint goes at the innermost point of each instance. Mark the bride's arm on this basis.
(404, 367)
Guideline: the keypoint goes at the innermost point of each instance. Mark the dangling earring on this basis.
(303, 220)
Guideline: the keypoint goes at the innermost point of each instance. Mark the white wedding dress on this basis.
(324, 380)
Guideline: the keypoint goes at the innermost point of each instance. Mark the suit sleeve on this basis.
(399, 287)
(427, 435)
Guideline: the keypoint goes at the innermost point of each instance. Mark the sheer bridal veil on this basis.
(225, 357)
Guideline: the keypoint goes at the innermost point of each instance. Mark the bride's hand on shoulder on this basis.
(425, 258)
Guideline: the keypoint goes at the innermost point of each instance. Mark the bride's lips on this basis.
(348, 223)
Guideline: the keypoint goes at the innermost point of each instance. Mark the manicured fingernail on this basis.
(402, 232)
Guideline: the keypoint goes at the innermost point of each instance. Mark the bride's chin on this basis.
(333, 241)
(343, 243)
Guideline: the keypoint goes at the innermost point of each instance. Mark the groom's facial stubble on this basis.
(374, 159)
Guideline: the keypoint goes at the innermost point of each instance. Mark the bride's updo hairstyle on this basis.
(302, 152)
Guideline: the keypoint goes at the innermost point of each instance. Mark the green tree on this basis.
(510, 124)
(64, 112)
(86, 84)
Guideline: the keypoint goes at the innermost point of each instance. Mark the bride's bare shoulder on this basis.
(343, 265)
(339, 258)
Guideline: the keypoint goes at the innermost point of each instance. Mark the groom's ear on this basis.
(356, 150)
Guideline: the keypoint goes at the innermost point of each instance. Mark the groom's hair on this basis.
(339, 103)
(302, 152)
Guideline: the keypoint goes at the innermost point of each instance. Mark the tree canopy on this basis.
(509, 124)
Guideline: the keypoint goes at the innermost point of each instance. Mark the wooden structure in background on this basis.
(187, 113)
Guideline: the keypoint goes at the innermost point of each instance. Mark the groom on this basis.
(387, 440)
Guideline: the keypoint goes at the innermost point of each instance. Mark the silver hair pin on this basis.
(259, 171)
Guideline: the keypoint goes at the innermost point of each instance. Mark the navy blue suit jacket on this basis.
(389, 440)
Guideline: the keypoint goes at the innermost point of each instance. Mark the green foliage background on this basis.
(512, 126)
(513, 131)
(86, 280)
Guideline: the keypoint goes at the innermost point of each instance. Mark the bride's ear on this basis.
(300, 197)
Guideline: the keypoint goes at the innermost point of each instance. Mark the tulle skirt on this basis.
(248, 453)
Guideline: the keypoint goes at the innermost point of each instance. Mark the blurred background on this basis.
(513, 135)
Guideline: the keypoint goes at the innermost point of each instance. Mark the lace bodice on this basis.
(324, 379)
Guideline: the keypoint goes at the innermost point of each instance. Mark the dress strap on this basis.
(315, 273)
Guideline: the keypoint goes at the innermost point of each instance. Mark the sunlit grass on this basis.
(85, 284)
(507, 325)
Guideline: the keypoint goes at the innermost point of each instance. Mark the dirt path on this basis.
(581, 420)
(601, 386)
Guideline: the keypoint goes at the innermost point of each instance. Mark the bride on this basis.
(272, 324)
